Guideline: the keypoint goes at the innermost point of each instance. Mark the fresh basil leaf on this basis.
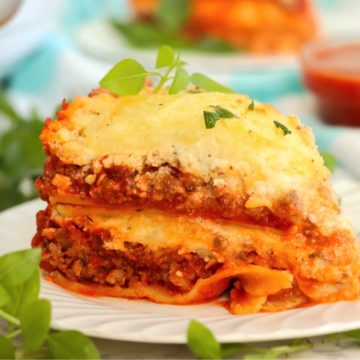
(165, 56)
(35, 323)
(71, 345)
(181, 80)
(22, 295)
(224, 113)
(281, 126)
(127, 77)
(202, 342)
(210, 119)
(172, 14)
(4, 297)
(19, 266)
(6, 349)
(205, 83)
(329, 160)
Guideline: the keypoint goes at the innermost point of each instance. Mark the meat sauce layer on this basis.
(80, 256)
(163, 187)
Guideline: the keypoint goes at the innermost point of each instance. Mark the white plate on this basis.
(144, 321)
(103, 41)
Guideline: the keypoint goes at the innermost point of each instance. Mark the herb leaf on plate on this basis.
(202, 342)
(17, 267)
(29, 316)
(6, 349)
(71, 344)
(35, 323)
(204, 345)
(4, 296)
(23, 294)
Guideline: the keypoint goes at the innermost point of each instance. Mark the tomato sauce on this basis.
(333, 74)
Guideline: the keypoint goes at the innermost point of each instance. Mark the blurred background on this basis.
(55, 50)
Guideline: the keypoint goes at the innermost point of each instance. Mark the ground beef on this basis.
(164, 187)
(81, 256)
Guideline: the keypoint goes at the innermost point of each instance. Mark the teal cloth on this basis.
(324, 134)
(269, 85)
(33, 74)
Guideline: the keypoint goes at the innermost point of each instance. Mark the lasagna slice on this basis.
(145, 201)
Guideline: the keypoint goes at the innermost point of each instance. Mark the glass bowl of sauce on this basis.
(331, 71)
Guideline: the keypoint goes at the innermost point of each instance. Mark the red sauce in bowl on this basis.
(331, 70)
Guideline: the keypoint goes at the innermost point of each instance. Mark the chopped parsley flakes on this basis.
(251, 106)
(211, 117)
(285, 130)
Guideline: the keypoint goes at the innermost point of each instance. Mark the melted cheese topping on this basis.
(246, 156)
(162, 128)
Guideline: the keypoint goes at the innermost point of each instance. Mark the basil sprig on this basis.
(128, 76)
(29, 316)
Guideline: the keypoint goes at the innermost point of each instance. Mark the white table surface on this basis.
(127, 350)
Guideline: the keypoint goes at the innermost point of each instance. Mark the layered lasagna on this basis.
(258, 26)
(145, 201)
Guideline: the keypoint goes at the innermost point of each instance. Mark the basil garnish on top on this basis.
(128, 76)
(220, 113)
